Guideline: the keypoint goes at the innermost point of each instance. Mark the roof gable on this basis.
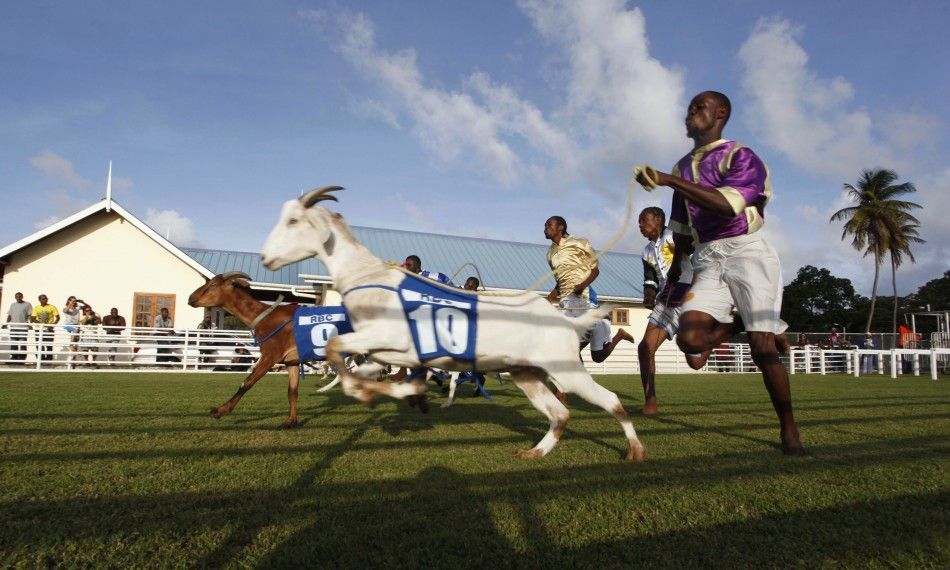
(105, 205)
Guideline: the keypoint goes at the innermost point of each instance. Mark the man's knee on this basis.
(762, 347)
(690, 340)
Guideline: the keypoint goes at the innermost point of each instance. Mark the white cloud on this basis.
(627, 104)
(813, 120)
(621, 105)
(817, 124)
(46, 222)
(420, 217)
(59, 170)
(175, 227)
(370, 109)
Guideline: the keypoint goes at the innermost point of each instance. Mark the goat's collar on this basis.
(257, 320)
(357, 277)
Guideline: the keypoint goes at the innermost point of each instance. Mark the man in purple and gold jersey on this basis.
(724, 188)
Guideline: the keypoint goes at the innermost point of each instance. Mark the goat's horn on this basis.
(234, 275)
(318, 194)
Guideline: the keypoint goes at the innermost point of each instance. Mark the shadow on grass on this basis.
(440, 518)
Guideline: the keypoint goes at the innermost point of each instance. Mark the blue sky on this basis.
(466, 118)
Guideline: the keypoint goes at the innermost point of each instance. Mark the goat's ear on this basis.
(241, 282)
(318, 194)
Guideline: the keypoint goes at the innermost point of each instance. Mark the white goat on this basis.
(523, 335)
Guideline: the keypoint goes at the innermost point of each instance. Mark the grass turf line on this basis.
(129, 470)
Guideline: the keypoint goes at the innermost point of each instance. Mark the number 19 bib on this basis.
(443, 322)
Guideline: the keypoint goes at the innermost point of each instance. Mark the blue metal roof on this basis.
(502, 264)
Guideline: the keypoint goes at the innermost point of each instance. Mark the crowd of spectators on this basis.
(91, 339)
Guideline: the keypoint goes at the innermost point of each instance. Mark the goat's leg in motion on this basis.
(576, 380)
(293, 383)
(355, 384)
(260, 369)
(531, 382)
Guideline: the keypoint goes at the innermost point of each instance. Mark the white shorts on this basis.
(667, 318)
(598, 335)
(741, 272)
(574, 305)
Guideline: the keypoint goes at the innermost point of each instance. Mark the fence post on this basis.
(821, 362)
(933, 364)
(893, 363)
(791, 362)
(184, 353)
(857, 364)
(39, 347)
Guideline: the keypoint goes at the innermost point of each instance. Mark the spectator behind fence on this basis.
(89, 334)
(206, 343)
(868, 361)
(165, 326)
(834, 339)
(71, 317)
(48, 315)
(802, 340)
(114, 325)
(240, 362)
(18, 320)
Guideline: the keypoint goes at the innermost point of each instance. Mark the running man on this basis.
(725, 188)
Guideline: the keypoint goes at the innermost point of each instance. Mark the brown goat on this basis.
(230, 290)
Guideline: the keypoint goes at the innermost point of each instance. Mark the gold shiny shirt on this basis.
(572, 261)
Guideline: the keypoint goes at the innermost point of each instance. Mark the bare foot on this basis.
(791, 445)
(624, 335)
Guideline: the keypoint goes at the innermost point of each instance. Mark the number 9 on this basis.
(320, 335)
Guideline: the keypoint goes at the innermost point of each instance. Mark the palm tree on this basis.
(876, 216)
(901, 237)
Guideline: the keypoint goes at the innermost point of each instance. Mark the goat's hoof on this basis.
(216, 413)
(637, 453)
(533, 453)
(368, 401)
(289, 424)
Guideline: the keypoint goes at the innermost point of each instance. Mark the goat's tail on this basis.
(583, 323)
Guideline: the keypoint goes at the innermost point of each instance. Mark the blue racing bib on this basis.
(315, 326)
(443, 321)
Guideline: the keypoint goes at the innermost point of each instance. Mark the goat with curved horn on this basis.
(318, 194)
(234, 275)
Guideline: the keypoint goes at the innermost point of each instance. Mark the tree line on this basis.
(816, 300)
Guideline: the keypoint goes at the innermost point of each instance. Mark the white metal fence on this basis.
(896, 361)
(133, 348)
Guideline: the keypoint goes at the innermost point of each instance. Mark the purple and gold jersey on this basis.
(739, 175)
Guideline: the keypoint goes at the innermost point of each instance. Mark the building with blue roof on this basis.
(138, 271)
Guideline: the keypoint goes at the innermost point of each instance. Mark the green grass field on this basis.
(123, 470)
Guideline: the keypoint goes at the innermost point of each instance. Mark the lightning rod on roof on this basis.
(109, 189)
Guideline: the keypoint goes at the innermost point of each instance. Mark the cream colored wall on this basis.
(103, 260)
